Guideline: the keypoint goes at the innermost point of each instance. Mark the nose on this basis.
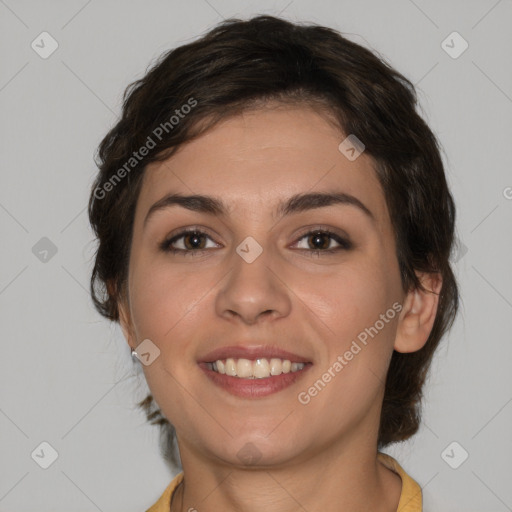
(254, 290)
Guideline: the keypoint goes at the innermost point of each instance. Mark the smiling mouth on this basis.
(260, 368)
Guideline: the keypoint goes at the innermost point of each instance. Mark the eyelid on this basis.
(189, 229)
(323, 228)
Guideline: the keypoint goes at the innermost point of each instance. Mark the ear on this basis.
(418, 314)
(125, 321)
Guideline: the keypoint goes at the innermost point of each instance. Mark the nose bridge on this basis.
(253, 286)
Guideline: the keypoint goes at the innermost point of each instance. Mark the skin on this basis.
(319, 456)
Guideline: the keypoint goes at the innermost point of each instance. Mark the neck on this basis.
(334, 478)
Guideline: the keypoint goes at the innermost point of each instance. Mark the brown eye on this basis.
(187, 241)
(319, 240)
(323, 241)
(193, 241)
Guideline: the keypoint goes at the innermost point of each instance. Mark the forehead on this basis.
(256, 159)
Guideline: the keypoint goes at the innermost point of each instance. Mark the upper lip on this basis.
(251, 352)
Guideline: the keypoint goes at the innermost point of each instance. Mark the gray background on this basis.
(66, 374)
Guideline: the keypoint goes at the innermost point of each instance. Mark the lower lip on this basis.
(254, 388)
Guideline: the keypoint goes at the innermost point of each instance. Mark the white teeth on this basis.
(230, 367)
(261, 368)
(244, 368)
(276, 365)
(258, 369)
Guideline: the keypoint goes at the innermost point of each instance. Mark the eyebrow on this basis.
(295, 204)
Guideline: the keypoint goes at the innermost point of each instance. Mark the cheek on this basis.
(347, 301)
(356, 305)
(163, 300)
(351, 373)
(167, 309)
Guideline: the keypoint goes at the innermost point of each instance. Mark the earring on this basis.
(134, 354)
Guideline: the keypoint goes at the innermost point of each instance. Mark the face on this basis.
(319, 280)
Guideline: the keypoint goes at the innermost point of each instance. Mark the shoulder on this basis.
(164, 502)
(410, 497)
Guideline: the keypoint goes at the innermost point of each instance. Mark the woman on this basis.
(274, 230)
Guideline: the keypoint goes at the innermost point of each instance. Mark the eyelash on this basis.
(344, 244)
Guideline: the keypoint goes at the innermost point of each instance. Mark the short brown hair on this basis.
(242, 64)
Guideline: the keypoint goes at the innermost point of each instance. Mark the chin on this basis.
(258, 452)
